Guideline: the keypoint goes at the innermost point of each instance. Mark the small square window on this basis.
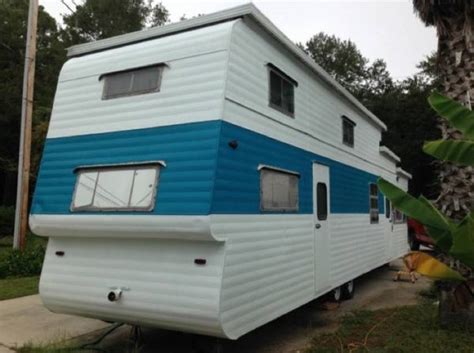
(348, 131)
(282, 94)
(374, 203)
(278, 190)
(132, 82)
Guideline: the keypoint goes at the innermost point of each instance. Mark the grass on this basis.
(18, 287)
(58, 346)
(405, 329)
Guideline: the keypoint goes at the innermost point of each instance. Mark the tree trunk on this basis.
(456, 306)
(456, 65)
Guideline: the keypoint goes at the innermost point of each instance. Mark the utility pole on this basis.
(24, 156)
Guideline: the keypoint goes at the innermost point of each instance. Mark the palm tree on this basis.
(454, 21)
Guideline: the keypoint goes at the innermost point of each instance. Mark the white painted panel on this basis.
(260, 267)
(268, 267)
(269, 262)
(191, 87)
(318, 108)
(161, 285)
(121, 226)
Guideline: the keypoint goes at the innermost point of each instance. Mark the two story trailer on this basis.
(207, 176)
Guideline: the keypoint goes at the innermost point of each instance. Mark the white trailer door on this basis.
(321, 216)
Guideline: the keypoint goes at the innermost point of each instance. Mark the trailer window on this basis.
(398, 216)
(322, 201)
(374, 203)
(132, 82)
(116, 188)
(348, 131)
(282, 95)
(278, 190)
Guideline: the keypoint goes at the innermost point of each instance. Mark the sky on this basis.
(380, 28)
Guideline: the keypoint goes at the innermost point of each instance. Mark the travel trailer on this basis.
(208, 177)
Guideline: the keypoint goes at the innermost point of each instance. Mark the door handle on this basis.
(317, 226)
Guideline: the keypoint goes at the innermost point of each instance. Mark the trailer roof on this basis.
(247, 10)
(403, 173)
(389, 153)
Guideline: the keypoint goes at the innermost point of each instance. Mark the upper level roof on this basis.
(247, 11)
(404, 173)
(389, 153)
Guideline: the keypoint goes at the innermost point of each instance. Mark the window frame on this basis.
(374, 210)
(284, 77)
(105, 86)
(263, 167)
(346, 122)
(157, 165)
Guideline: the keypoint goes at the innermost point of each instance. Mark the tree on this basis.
(451, 238)
(455, 27)
(99, 19)
(340, 58)
(410, 122)
(344, 61)
(376, 83)
(50, 56)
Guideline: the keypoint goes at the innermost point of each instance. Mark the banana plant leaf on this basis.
(458, 151)
(438, 226)
(428, 266)
(459, 116)
(413, 207)
(463, 241)
(442, 238)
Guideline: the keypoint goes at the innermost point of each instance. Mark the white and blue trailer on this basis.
(207, 176)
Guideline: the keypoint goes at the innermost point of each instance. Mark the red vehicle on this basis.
(417, 235)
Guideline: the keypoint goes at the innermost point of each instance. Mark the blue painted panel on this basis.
(237, 181)
(191, 183)
(185, 187)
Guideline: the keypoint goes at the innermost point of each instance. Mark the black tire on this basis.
(336, 295)
(348, 290)
(414, 245)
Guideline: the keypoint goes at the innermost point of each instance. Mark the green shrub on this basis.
(7, 220)
(26, 263)
(14, 263)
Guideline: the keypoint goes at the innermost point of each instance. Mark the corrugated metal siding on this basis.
(318, 109)
(191, 87)
(164, 287)
(185, 185)
(269, 263)
(268, 268)
(237, 180)
(357, 246)
(399, 240)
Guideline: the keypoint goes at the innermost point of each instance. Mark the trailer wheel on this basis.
(336, 295)
(348, 290)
